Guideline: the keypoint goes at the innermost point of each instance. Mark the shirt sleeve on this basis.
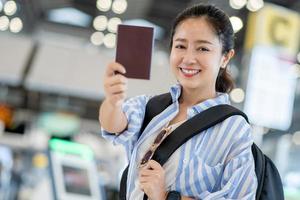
(239, 179)
(134, 109)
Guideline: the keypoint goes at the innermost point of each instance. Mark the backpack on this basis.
(268, 178)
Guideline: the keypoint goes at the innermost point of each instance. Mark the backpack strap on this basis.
(259, 160)
(192, 127)
(123, 184)
(154, 107)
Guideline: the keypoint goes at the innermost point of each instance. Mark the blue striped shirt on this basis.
(216, 164)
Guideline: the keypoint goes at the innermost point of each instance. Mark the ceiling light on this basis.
(4, 23)
(100, 23)
(97, 38)
(237, 95)
(237, 4)
(113, 24)
(237, 23)
(119, 6)
(110, 40)
(16, 25)
(255, 5)
(10, 8)
(103, 5)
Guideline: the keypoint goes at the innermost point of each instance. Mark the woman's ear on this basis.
(226, 58)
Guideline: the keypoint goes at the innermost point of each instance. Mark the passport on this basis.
(134, 50)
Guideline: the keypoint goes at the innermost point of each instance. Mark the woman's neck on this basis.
(193, 97)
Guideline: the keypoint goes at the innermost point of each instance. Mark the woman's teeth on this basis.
(190, 71)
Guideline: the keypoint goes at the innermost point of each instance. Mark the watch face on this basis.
(173, 195)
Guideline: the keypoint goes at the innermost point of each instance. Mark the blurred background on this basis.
(52, 58)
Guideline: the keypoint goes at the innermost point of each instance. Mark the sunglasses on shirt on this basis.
(158, 140)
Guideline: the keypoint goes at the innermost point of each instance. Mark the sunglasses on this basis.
(158, 140)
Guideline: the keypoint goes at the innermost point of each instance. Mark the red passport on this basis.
(134, 50)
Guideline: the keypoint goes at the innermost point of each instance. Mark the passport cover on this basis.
(134, 50)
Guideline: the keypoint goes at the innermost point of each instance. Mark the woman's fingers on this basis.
(153, 172)
(116, 79)
(116, 88)
(149, 172)
(114, 68)
(152, 168)
(152, 186)
(115, 84)
(152, 176)
(152, 164)
(145, 179)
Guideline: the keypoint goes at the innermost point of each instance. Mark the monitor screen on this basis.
(76, 180)
(73, 172)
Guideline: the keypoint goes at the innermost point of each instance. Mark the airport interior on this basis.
(53, 56)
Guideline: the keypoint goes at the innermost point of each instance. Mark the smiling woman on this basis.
(196, 56)
(210, 164)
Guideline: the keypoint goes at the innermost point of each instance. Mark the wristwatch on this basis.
(173, 195)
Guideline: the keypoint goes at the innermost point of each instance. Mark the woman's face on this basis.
(196, 55)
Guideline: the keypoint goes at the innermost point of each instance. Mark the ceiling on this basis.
(157, 11)
(160, 12)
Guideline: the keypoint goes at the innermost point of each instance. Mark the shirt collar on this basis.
(221, 98)
(175, 92)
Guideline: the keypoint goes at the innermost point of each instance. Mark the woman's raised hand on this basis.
(115, 83)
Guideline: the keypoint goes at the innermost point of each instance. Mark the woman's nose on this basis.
(189, 57)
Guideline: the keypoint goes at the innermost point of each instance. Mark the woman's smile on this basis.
(189, 72)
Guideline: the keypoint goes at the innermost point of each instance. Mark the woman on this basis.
(216, 164)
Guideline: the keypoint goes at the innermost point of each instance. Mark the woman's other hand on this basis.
(152, 181)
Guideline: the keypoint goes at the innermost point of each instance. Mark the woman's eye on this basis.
(179, 46)
(203, 49)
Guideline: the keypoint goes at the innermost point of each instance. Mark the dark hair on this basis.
(222, 27)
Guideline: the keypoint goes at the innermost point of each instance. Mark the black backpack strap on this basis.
(259, 160)
(268, 178)
(192, 127)
(123, 184)
(155, 106)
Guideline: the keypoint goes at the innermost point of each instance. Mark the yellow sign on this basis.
(274, 26)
